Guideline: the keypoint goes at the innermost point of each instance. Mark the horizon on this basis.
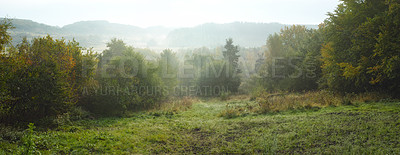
(156, 25)
(172, 14)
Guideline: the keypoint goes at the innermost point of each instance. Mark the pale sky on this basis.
(170, 13)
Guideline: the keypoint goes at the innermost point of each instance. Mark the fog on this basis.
(174, 13)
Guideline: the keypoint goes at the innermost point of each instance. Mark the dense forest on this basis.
(353, 55)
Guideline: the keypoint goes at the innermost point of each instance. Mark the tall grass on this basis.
(275, 102)
(237, 108)
(176, 104)
(264, 102)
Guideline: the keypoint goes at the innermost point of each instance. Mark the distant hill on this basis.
(29, 26)
(97, 33)
(90, 33)
(244, 34)
(29, 29)
(106, 28)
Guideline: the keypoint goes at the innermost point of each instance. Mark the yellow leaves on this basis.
(376, 80)
(326, 51)
(349, 71)
(384, 70)
(374, 69)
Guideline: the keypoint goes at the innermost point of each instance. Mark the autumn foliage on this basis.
(42, 79)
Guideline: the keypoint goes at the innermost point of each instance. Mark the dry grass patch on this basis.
(286, 101)
(176, 104)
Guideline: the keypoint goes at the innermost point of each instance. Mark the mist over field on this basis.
(97, 33)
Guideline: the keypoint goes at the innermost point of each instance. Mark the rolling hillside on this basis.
(97, 33)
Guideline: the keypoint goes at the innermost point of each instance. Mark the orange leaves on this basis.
(66, 62)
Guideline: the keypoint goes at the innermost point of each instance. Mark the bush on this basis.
(224, 95)
(28, 140)
(106, 105)
(42, 80)
(230, 113)
(124, 81)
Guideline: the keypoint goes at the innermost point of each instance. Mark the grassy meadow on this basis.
(235, 125)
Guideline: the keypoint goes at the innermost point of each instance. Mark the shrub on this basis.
(124, 81)
(42, 79)
(106, 105)
(28, 140)
(224, 95)
(230, 113)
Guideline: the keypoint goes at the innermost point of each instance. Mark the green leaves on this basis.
(5, 37)
(220, 76)
(363, 40)
(292, 59)
(43, 81)
(123, 81)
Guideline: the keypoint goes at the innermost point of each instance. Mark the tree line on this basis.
(356, 49)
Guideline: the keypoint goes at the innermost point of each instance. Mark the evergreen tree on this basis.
(168, 69)
(231, 54)
(232, 63)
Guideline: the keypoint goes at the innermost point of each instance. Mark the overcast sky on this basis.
(171, 13)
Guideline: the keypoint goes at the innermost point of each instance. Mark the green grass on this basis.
(362, 128)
